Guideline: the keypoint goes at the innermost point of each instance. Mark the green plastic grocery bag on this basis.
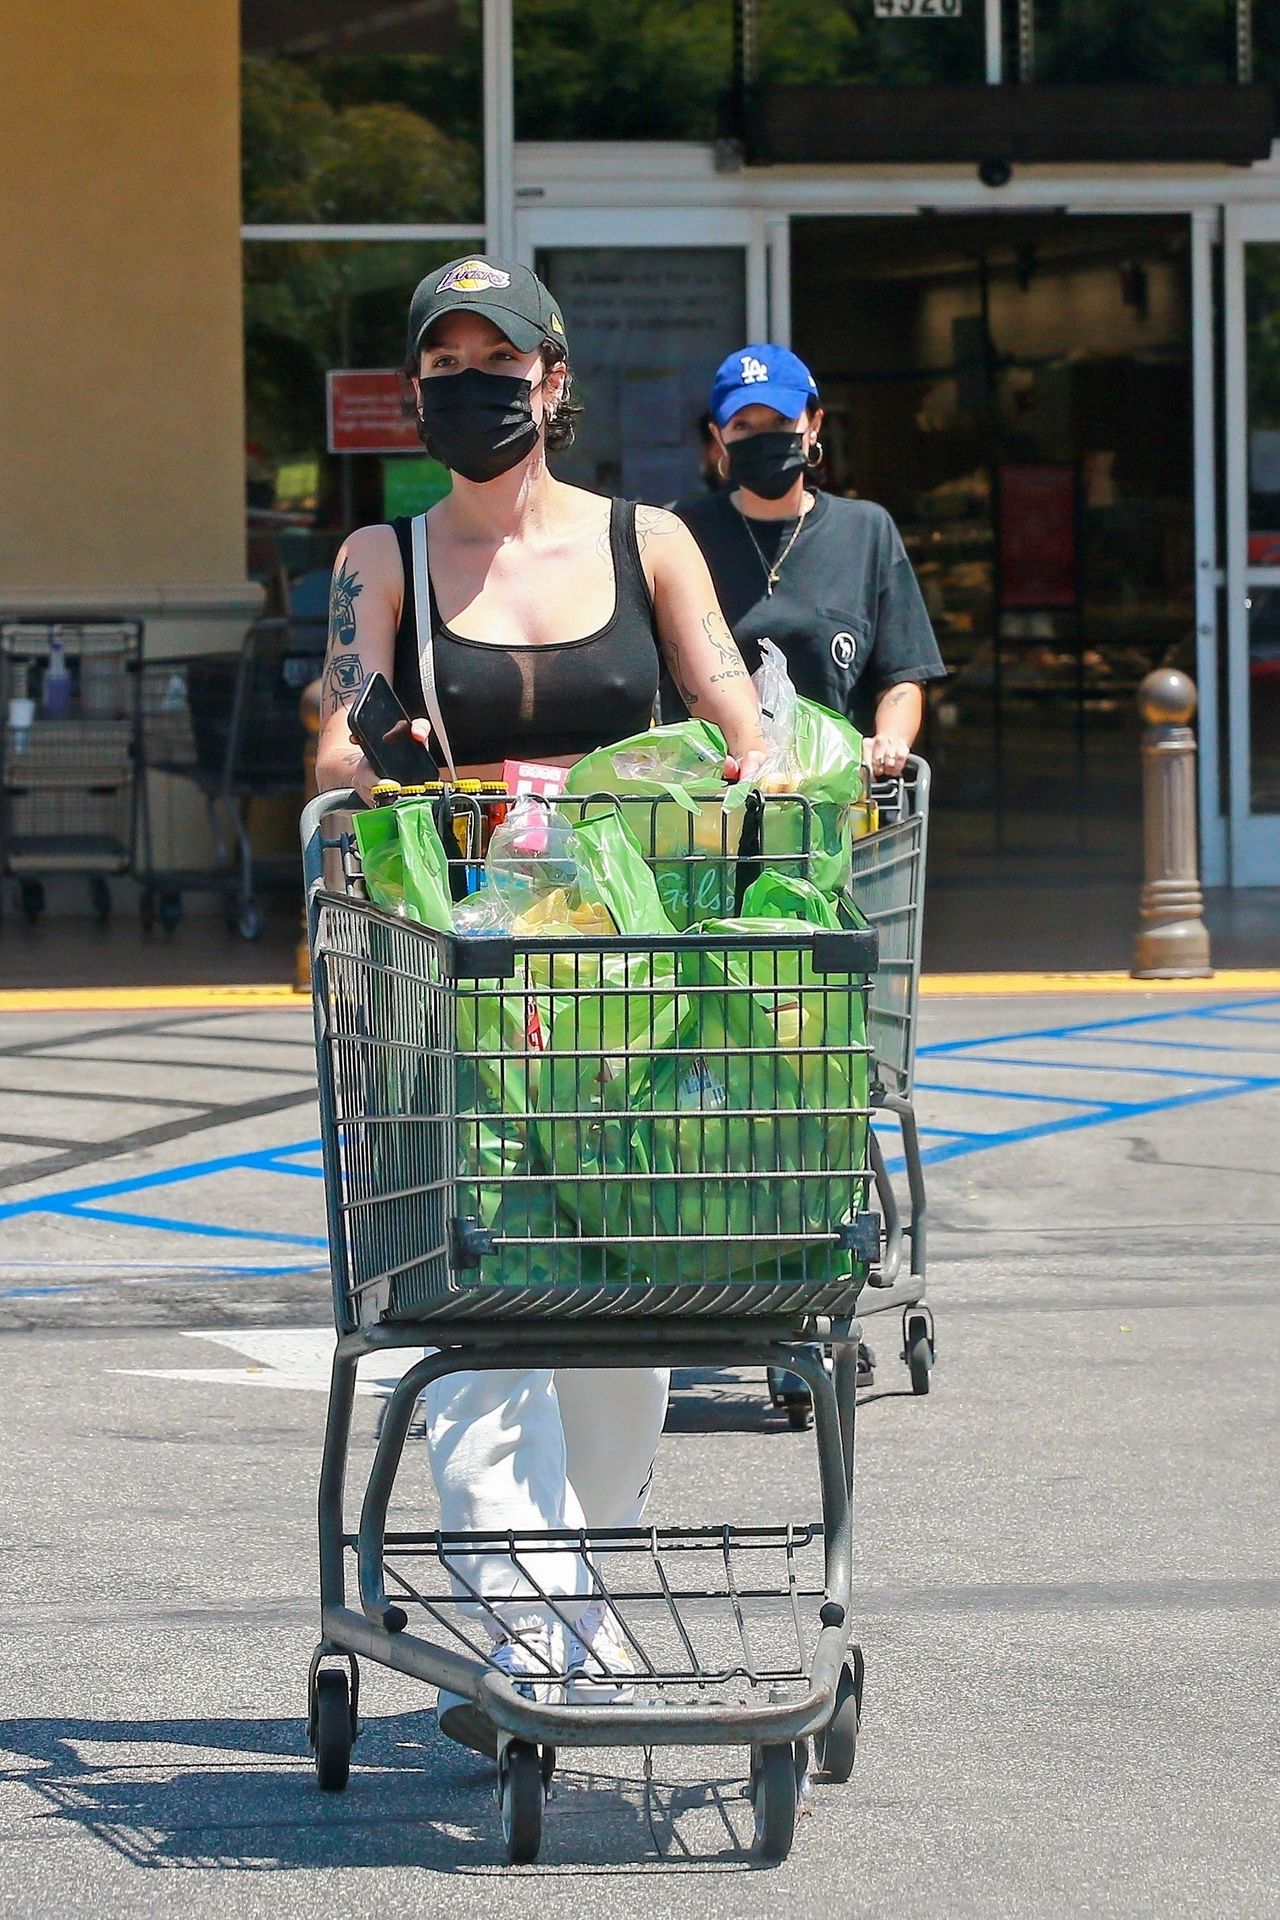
(613, 862)
(406, 871)
(782, 896)
(738, 1122)
(695, 821)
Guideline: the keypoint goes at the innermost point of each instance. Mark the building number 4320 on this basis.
(918, 9)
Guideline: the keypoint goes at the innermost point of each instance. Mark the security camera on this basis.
(995, 173)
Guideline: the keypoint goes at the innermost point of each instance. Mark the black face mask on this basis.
(767, 464)
(480, 424)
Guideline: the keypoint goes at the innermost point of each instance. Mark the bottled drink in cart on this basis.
(55, 689)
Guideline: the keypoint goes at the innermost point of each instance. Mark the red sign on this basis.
(1037, 536)
(371, 412)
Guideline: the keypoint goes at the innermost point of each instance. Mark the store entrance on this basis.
(1016, 390)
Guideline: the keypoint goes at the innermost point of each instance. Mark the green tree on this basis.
(304, 159)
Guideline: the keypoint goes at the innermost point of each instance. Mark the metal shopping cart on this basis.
(887, 888)
(489, 1199)
(67, 787)
(229, 724)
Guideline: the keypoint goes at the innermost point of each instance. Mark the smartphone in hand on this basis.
(381, 725)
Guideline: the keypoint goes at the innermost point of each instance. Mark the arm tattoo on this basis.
(734, 673)
(342, 610)
(345, 675)
(717, 632)
(896, 695)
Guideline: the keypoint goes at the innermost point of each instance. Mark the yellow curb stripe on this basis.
(941, 986)
(149, 999)
(933, 986)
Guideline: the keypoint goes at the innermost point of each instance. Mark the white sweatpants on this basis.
(542, 1450)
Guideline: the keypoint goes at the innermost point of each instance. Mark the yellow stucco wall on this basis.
(121, 404)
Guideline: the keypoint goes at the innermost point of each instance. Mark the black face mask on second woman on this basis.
(767, 464)
(479, 424)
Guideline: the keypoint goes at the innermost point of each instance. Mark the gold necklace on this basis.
(772, 573)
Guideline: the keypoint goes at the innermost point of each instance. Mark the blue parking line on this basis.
(1076, 1123)
(260, 1158)
(1018, 1093)
(159, 1222)
(1221, 1009)
(1099, 1066)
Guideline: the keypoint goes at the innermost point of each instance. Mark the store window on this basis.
(330, 438)
(356, 113)
(1113, 42)
(663, 69)
(364, 125)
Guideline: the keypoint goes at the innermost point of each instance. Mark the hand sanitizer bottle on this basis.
(55, 690)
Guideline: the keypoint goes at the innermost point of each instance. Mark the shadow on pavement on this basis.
(414, 1800)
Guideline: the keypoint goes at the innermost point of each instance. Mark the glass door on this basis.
(652, 304)
(1252, 394)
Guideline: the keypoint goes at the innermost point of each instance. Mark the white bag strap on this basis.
(426, 640)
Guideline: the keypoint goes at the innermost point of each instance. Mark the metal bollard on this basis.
(1172, 941)
(309, 711)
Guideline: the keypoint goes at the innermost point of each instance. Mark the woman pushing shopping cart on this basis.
(564, 1159)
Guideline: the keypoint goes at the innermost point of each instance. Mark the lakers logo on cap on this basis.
(473, 276)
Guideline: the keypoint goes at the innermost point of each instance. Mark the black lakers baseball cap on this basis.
(511, 296)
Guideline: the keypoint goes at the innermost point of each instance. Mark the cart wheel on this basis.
(799, 1415)
(170, 908)
(31, 897)
(918, 1353)
(837, 1744)
(147, 908)
(100, 899)
(520, 1796)
(774, 1790)
(333, 1730)
(250, 922)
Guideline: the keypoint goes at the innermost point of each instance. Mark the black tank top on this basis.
(532, 702)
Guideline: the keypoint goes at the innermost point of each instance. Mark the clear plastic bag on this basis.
(531, 856)
(775, 690)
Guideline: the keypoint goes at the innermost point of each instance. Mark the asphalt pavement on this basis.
(1066, 1555)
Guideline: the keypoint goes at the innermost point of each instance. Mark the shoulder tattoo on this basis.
(654, 523)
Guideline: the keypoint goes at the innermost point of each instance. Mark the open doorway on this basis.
(1016, 390)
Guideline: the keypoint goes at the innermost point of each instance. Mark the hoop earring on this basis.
(722, 465)
(814, 456)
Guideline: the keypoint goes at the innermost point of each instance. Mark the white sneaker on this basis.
(531, 1653)
(602, 1664)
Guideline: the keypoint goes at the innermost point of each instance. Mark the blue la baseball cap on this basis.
(765, 376)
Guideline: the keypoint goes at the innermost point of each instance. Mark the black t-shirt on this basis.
(846, 609)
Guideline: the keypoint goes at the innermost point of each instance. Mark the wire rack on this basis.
(705, 1614)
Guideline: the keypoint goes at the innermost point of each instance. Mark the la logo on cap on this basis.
(473, 276)
(753, 370)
